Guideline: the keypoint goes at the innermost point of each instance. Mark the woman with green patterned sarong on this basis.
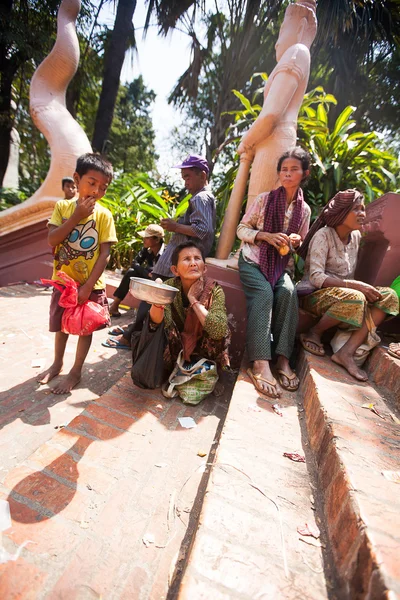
(196, 322)
(328, 290)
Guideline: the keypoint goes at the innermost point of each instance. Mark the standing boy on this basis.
(68, 186)
(198, 222)
(81, 233)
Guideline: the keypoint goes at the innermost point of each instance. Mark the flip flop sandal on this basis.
(115, 315)
(304, 341)
(115, 344)
(392, 353)
(257, 378)
(116, 331)
(290, 378)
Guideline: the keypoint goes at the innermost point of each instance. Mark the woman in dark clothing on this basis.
(142, 265)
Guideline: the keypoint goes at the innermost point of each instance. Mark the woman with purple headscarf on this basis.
(276, 222)
(330, 251)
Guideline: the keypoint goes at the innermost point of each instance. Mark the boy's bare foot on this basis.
(48, 375)
(69, 382)
(347, 361)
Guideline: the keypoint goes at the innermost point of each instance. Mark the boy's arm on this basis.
(86, 289)
(84, 208)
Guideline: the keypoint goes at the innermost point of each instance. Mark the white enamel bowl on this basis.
(152, 292)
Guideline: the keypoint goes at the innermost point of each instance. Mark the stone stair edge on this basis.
(384, 370)
(360, 568)
(358, 561)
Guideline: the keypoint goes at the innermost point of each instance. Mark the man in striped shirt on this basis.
(198, 223)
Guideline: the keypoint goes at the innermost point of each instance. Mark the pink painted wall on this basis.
(25, 254)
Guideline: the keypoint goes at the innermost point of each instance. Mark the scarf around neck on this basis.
(190, 327)
(272, 264)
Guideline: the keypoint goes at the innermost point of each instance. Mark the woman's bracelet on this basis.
(160, 306)
(195, 302)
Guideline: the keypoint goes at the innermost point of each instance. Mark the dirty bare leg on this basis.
(345, 356)
(74, 376)
(60, 342)
(113, 308)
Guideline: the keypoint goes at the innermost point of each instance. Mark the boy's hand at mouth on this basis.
(85, 206)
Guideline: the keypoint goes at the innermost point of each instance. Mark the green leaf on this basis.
(155, 211)
(182, 206)
(244, 101)
(342, 118)
(154, 194)
(322, 114)
(389, 175)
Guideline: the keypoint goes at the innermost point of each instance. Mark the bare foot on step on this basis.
(347, 361)
(68, 382)
(48, 375)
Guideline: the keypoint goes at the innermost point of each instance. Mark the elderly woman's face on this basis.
(190, 265)
(356, 217)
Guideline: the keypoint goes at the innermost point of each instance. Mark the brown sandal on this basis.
(393, 352)
(289, 388)
(304, 341)
(257, 378)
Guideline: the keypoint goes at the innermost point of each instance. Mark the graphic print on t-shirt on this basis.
(81, 242)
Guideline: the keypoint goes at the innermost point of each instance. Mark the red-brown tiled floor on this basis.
(121, 469)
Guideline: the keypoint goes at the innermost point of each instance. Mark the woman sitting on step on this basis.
(274, 223)
(330, 251)
(196, 322)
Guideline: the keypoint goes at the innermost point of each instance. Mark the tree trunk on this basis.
(7, 72)
(5, 122)
(113, 61)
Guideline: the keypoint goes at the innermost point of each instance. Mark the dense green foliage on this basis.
(341, 157)
(355, 55)
(136, 201)
(131, 141)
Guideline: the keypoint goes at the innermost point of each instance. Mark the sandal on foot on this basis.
(304, 341)
(116, 330)
(289, 388)
(393, 352)
(115, 344)
(256, 382)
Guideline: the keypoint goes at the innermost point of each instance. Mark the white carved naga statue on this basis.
(275, 129)
(66, 138)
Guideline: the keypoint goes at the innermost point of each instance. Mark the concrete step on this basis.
(108, 487)
(247, 544)
(354, 448)
(384, 371)
(109, 503)
(112, 282)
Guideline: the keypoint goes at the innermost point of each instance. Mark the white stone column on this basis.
(232, 214)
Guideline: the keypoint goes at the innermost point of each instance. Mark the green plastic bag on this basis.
(395, 285)
(192, 384)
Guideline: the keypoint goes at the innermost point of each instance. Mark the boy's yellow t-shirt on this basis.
(77, 254)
